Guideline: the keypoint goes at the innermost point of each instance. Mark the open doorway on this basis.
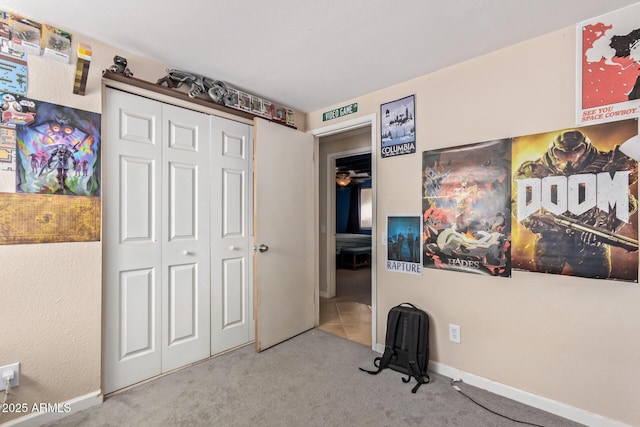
(347, 231)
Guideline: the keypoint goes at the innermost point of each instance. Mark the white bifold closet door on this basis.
(157, 239)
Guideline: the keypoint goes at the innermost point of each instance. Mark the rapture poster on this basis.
(466, 208)
(403, 244)
(574, 204)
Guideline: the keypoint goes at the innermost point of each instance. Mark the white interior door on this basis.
(186, 237)
(285, 274)
(231, 237)
(155, 237)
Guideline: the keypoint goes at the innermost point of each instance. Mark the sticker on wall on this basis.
(466, 205)
(16, 110)
(7, 148)
(398, 127)
(13, 75)
(59, 152)
(575, 210)
(608, 58)
(404, 244)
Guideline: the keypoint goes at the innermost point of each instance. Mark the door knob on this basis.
(232, 248)
(263, 247)
(186, 253)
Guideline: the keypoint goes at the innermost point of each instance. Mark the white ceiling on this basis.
(310, 54)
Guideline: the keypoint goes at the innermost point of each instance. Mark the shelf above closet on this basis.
(153, 87)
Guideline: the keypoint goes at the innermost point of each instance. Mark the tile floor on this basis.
(345, 318)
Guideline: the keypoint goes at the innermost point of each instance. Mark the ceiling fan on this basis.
(345, 178)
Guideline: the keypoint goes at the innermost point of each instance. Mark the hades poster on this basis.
(466, 208)
(574, 204)
(608, 58)
(403, 244)
(58, 151)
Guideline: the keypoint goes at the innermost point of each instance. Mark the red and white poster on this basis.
(608, 67)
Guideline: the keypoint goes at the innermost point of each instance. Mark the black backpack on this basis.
(406, 347)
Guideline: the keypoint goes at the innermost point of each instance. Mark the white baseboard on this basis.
(324, 294)
(52, 412)
(557, 408)
(553, 407)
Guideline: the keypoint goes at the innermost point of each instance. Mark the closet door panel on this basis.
(186, 336)
(232, 284)
(131, 240)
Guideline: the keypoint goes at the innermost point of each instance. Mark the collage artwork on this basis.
(53, 155)
(560, 202)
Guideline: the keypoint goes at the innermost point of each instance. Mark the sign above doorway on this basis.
(340, 112)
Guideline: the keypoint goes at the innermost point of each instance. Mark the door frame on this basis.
(331, 213)
(348, 125)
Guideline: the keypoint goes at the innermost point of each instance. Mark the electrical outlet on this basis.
(13, 369)
(454, 333)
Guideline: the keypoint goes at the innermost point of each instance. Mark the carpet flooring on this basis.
(309, 380)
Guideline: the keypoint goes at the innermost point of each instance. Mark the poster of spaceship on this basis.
(58, 151)
(466, 204)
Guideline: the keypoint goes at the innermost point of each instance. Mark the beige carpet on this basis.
(309, 380)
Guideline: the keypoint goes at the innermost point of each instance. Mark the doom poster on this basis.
(574, 204)
(466, 208)
(58, 151)
(608, 58)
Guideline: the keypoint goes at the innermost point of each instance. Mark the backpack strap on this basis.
(409, 304)
(414, 369)
(392, 327)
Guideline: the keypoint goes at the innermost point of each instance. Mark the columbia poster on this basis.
(398, 127)
(466, 206)
(608, 58)
(574, 204)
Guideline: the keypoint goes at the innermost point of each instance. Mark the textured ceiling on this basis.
(310, 54)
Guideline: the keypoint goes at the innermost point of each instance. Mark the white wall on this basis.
(567, 339)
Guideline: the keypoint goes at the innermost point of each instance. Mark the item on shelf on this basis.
(216, 89)
(226, 95)
(256, 105)
(289, 116)
(120, 66)
(231, 99)
(26, 35)
(244, 101)
(267, 109)
(57, 43)
(280, 114)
